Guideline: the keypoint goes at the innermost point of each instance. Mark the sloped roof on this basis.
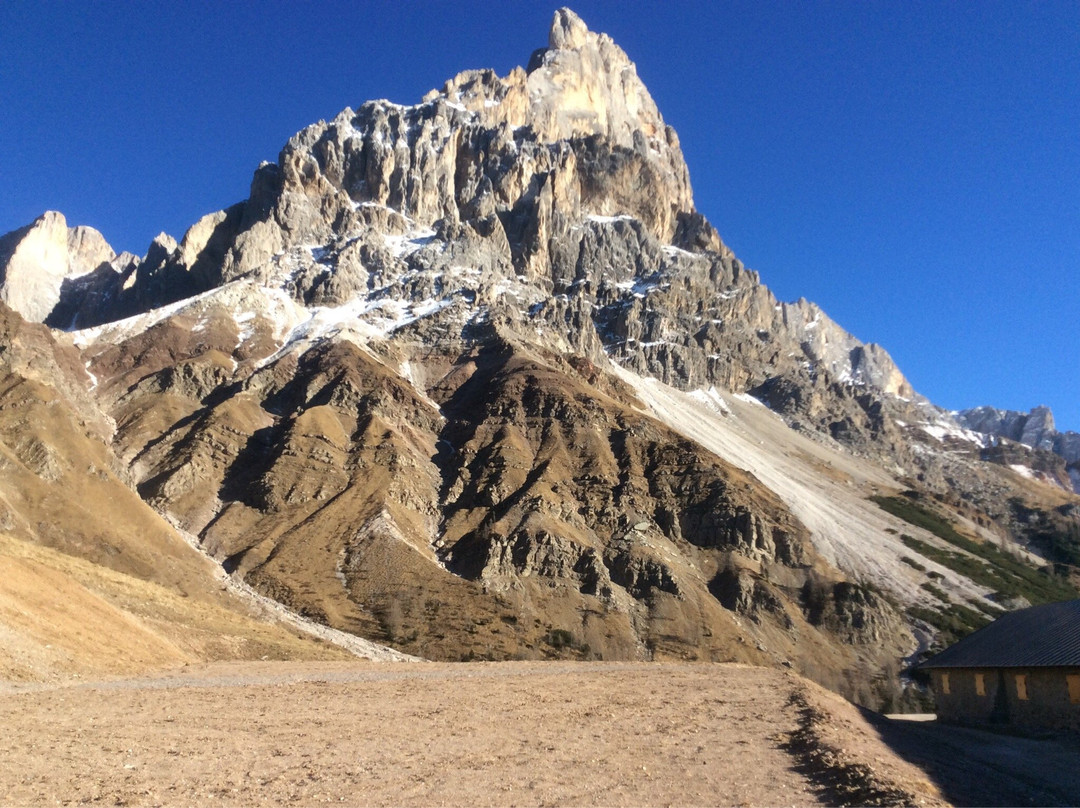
(1038, 637)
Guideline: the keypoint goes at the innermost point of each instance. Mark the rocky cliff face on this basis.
(405, 389)
(39, 260)
(1034, 429)
(563, 176)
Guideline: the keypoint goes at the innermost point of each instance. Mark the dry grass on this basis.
(62, 616)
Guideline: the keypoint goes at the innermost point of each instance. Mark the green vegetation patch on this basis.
(991, 567)
(1055, 532)
(937, 593)
(1009, 577)
(911, 562)
(1060, 546)
(904, 507)
(953, 622)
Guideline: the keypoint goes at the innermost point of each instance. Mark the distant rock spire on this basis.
(568, 31)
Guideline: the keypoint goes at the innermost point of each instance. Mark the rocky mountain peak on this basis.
(35, 261)
(584, 84)
(511, 165)
(566, 195)
(420, 383)
(1034, 428)
(568, 31)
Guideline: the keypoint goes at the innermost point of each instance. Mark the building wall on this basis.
(1053, 702)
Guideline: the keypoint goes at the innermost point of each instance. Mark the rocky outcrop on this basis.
(560, 179)
(37, 260)
(1034, 429)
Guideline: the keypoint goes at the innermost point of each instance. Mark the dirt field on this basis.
(465, 734)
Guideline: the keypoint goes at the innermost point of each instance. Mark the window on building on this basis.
(945, 683)
(1073, 681)
(1021, 687)
(980, 684)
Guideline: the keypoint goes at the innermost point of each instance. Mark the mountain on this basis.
(474, 378)
(1034, 429)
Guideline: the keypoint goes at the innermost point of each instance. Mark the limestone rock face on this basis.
(522, 157)
(36, 260)
(87, 250)
(1034, 429)
(560, 178)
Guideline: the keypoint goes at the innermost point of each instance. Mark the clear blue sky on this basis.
(913, 167)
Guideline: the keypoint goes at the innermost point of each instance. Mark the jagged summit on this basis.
(524, 174)
(565, 194)
(1034, 428)
(575, 135)
(37, 260)
(582, 84)
(568, 30)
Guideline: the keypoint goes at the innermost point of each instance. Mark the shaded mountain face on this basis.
(475, 379)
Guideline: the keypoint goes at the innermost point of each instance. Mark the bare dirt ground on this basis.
(435, 734)
(976, 767)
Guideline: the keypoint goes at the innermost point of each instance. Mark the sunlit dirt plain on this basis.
(467, 734)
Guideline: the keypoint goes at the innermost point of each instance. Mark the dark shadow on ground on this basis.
(978, 767)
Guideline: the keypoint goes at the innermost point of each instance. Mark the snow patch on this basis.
(749, 399)
(1024, 471)
(640, 287)
(410, 243)
(120, 330)
(93, 378)
(361, 320)
(942, 430)
(712, 399)
(671, 250)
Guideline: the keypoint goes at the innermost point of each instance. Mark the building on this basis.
(1021, 671)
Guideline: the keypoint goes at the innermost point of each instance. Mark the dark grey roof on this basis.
(1038, 637)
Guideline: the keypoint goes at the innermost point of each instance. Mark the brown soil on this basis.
(432, 734)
